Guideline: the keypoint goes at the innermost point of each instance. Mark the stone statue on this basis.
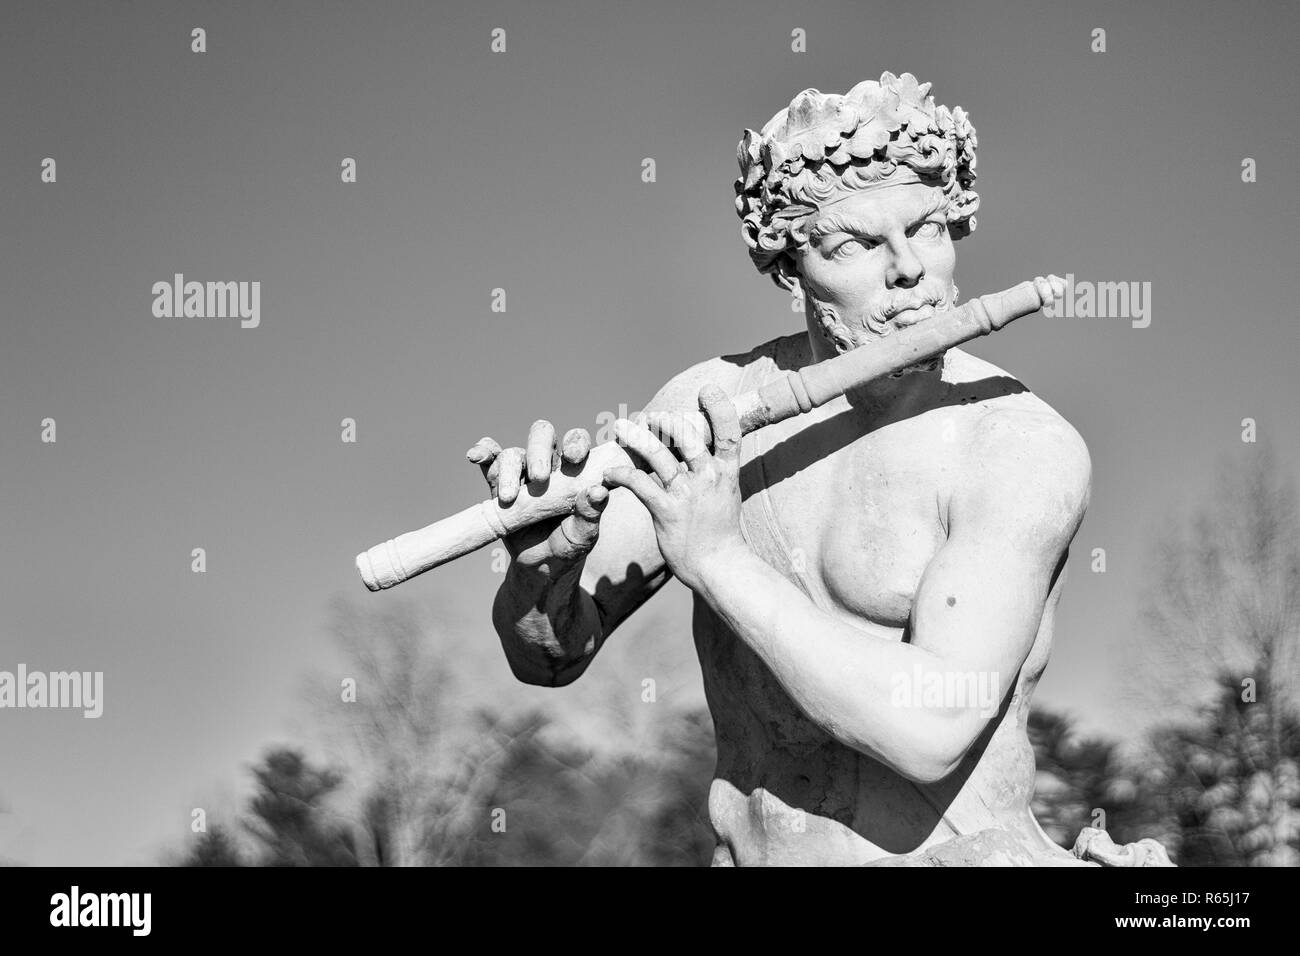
(876, 581)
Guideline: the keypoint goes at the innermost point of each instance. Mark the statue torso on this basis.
(852, 510)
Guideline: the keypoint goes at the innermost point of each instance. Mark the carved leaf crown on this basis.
(823, 144)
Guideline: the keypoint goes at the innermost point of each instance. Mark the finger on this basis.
(541, 448)
(638, 438)
(1058, 286)
(492, 471)
(635, 481)
(579, 531)
(575, 446)
(511, 463)
(682, 433)
(483, 451)
(721, 412)
(590, 503)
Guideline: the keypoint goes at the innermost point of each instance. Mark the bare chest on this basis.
(854, 518)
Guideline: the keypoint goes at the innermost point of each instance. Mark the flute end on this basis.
(377, 572)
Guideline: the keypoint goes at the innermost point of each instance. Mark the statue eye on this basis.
(847, 250)
(929, 230)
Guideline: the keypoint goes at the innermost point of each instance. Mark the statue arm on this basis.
(553, 621)
(976, 614)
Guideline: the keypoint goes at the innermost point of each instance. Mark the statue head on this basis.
(858, 198)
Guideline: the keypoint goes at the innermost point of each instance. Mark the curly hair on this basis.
(825, 143)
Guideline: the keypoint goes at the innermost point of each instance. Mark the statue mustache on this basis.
(884, 311)
(889, 310)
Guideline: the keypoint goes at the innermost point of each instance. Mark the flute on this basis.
(402, 558)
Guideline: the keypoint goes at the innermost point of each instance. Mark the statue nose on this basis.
(906, 270)
(907, 275)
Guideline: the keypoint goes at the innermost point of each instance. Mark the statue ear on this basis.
(787, 272)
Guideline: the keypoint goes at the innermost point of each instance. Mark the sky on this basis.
(521, 171)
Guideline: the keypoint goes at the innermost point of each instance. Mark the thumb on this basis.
(578, 532)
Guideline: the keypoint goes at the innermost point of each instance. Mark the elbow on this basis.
(539, 659)
(547, 671)
(533, 677)
(926, 751)
(944, 746)
(929, 768)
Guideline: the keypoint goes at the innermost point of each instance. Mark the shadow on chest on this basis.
(854, 519)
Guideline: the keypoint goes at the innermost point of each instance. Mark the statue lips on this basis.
(907, 317)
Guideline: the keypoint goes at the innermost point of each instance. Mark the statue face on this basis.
(875, 259)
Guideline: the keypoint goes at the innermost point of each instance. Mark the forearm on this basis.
(549, 626)
(843, 678)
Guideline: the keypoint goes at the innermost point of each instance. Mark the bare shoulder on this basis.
(726, 371)
(1027, 469)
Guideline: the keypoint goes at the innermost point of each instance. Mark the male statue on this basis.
(875, 582)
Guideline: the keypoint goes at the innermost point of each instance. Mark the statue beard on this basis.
(892, 309)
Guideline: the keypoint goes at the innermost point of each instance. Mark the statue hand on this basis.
(568, 539)
(695, 505)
